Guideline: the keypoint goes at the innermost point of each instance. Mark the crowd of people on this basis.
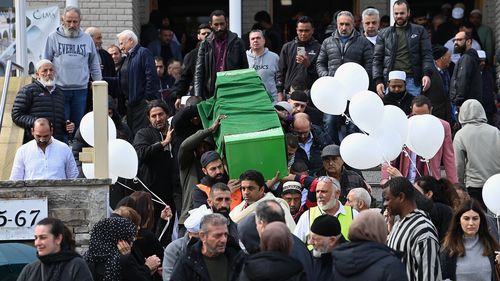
(319, 222)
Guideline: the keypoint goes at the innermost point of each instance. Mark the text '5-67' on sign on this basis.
(18, 217)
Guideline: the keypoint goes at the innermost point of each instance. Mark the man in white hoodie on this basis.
(75, 60)
(264, 62)
(477, 149)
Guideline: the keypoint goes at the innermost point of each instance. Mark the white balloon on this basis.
(491, 194)
(360, 151)
(396, 119)
(123, 160)
(327, 94)
(389, 143)
(353, 77)
(366, 110)
(87, 128)
(425, 135)
(88, 170)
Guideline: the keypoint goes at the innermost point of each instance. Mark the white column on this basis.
(391, 9)
(235, 16)
(72, 3)
(100, 103)
(21, 40)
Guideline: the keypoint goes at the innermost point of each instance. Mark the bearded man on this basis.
(327, 196)
(222, 50)
(41, 99)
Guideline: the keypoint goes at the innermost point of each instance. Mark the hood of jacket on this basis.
(352, 258)
(272, 266)
(472, 112)
(250, 54)
(60, 32)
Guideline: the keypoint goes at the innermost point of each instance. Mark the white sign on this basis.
(18, 217)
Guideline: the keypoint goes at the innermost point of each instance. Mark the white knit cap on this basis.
(457, 13)
(481, 54)
(192, 223)
(397, 74)
(42, 62)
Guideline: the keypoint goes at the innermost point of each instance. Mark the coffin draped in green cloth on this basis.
(241, 96)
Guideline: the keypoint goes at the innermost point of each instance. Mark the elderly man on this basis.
(44, 157)
(397, 94)
(406, 47)
(264, 62)
(325, 235)
(214, 257)
(41, 99)
(252, 190)
(138, 79)
(371, 24)
(312, 140)
(222, 50)
(327, 195)
(359, 199)
(414, 234)
(75, 60)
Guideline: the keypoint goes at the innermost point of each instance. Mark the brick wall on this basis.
(78, 203)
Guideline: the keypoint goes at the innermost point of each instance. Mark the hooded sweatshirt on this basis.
(477, 146)
(74, 59)
(266, 66)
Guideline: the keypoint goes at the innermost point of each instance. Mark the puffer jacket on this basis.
(334, 53)
(386, 49)
(34, 101)
(205, 72)
(466, 81)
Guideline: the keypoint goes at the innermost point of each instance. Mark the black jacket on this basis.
(334, 53)
(449, 266)
(440, 99)
(401, 100)
(386, 48)
(320, 140)
(272, 266)
(191, 266)
(181, 87)
(466, 81)
(205, 72)
(290, 71)
(156, 164)
(367, 260)
(34, 101)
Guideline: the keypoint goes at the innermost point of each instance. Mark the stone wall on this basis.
(78, 203)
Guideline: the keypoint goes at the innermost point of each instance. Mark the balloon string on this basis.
(428, 168)
(411, 161)
(164, 229)
(350, 120)
(139, 180)
(131, 189)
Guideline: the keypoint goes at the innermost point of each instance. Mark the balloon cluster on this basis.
(123, 161)
(491, 194)
(386, 129)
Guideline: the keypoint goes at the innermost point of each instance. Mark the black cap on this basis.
(326, 225)
(438, 51)
(208, 157)
(299, 96)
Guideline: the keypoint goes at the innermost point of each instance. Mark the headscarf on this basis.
(102, 247)
(368, 225)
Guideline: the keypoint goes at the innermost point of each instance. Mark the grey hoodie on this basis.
(74, 59)
(477, 146)
(266, 66)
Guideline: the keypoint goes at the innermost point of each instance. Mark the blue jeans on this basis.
(411, 88)
(75, 102)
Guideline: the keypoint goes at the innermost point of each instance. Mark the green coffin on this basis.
(241, 96)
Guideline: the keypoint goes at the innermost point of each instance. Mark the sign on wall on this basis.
(18, 217)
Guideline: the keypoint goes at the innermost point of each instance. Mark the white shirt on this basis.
(303, 226)
(451, 46)
(32, 163)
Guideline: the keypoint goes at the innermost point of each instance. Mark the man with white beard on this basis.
(327, 195)
(41, 99)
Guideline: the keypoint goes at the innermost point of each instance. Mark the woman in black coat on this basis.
(273, 262)
(367, 257)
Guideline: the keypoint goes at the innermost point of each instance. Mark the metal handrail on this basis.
(8, 70)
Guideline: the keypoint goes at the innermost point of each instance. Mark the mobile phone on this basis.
(301, 51)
